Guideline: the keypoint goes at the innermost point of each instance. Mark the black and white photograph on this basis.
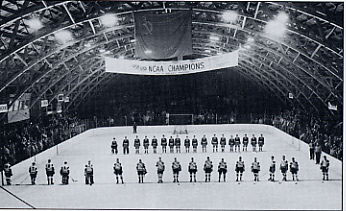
(171, 105)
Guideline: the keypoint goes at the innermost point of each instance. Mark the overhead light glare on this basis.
(63, 36)
(229, 16)
(34, 24)
(276, 28)
(109, 20)
(214, 38)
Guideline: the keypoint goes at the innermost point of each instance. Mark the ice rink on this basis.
(308, 193)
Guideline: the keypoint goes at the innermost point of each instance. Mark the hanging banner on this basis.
(3, 108)
(66, 100)
(19, 110)
(44, 103)
(137, 67)
(61, 98)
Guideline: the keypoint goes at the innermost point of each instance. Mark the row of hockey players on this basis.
(176, 168)
(234, 143)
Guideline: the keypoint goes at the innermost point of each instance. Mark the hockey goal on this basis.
(180, 122)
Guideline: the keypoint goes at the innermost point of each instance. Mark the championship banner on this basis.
(136, 67)
(3, 108)
(19, 110)
(44, 103)
(163, 36)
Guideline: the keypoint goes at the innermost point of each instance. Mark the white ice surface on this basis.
(94, 145)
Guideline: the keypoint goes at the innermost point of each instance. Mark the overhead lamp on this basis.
(229, 16)
(34, 24)
(63, 36)
(87, 45)
(207, 51)
(214, 38)
(276, 28)
(109, 20)
(102, 50)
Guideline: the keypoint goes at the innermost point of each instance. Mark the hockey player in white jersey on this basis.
(118, 171)
(222, 169)
(160, 169)
(192, 170)
(284, 168)
(255, 168)
(325, 167)
(50, 171)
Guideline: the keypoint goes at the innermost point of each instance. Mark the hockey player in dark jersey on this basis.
(154, 144)
(137, 144)
(8, 173)
(294, 168)
(89, 173)
(114, 146)
(215, 143)
(194, 144)
(239, 169)
(231, 143)
(118, 171)
(187, 144)
(255, 168)
(272, 169)
(222, 169)
(245, 142)
(163, 143)
(223, 143)
(208, 168)
(126, 145)
(253, 143)
(192, 170)
(284, 168)
(176, 167)
(204, 143)
(171, 144)
(50, 171)
(325, 167)
(33, 173)
(160, 169)
(260, 143)
(141, 171)
(237, 143)
(146, 145)
(65, 172)
(177, 144)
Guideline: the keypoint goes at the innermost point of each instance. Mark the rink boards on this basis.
(94, 145)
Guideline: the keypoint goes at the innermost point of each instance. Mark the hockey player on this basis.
(187, 144)
(245, 142)
(223, 143)
(163, 144)
(222, 169)
(171, 144)
(204, 143)
(255, 168)
(114, 146)
(192, 170)
(194, 144)
(146, 145)
(260, 143)
(272, 169)
(65, 172)
(154, 144)
(325, 167)
(141, 171)
(160, 169)
(33, 173)
(294, 168)
(126, 144)
(237, 143)
(231, 143)
(8, 173)
(50, 171)
(239, 168)
(118, 171)
(208, 168)
(176, 167)
(312, 150)
(177, 144)
(137, 144)
(318, 152)
(214, 142)
(89, 174)
(253, 143)
(284, 168)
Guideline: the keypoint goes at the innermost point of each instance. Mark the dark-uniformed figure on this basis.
(223, 142)
(231, 143)
(134, 127)
(33, 173)
(177, 144)
(176, 167)
(65, 172)
(237, 143)
(171, 144)
(318, 152)
(325, 167)
(137, 144)
(239, 169)
(194, 144)
(208, 168)
(8, 173)
(245, 142)
(118, 171)
(284, 168)
(89, 173)
(294, 168)
(215, 143)
(222, 169)
(154, 144)
(141, 171)
(260, 143)
(50, 171)
(146, 145)
(187, 144)
(253, 143)
(272, 169)
(192, 170)
(312, 150)
(204, 143)
(160, 169)
(114, 146)
(163, 143)
(126, 145)
(255, 168)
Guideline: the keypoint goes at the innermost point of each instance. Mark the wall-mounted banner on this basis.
(44, 103)
(3, 108)
(137, 67)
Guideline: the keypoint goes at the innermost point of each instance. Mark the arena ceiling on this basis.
(307, 62)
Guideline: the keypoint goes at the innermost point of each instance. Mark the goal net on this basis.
(180, 122)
